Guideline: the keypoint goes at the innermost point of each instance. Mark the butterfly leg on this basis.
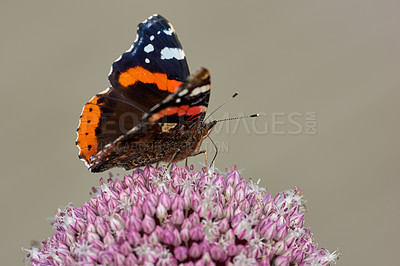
(216, 149)
(170, 162)
(205, 153)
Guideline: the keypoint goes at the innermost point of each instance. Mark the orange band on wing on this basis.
(87, 140)
(133, 75)
(179, 111)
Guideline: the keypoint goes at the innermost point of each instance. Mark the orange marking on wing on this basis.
(179, 110)
(135, 74)
(195, 110)
(182, 110)
(87, 140)
(169, 111)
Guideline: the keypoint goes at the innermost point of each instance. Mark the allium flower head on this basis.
(182, 218)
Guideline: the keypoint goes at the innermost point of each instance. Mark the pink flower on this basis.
(184, 217)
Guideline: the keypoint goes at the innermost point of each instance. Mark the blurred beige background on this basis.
(333, 66)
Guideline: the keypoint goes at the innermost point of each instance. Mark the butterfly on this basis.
(153, 111)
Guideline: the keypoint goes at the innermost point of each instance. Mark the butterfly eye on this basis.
(204, 131)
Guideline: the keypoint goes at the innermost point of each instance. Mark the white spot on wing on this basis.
(103, 92)
(158, 32)
(119, 58)
(199, 90)
(147, 60)
(178, 100)
(169, 53)
(151, 37)
(149, 48)
(169, 31)
(154, 15)
(185, 91)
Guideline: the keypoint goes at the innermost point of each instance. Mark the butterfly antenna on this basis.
(216, 150)
(233, 96)
(234, 118)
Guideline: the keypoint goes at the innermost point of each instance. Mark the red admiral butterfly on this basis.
(153, 111)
